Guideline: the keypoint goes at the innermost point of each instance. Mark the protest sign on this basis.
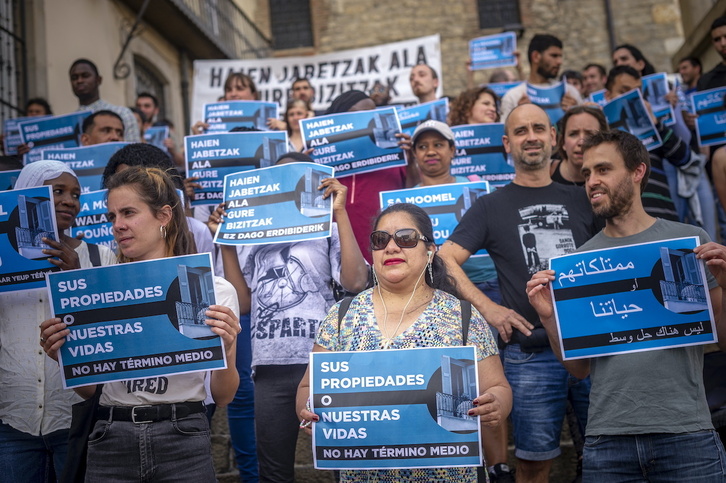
(210, 157)
(227, 115)
(41, 133)
(711, 121)
(92, 221)
(280, 204)
(8, 179)
(655, 88)
(136, 320)
(493, 51)
(11, 134)
(26, 216)
(156, 135)
(549, 99)
(355, 142)
(598, 97)
(632, 298)
(480, 151)
(445, 204)
(88, 162)
(369, 401)
(330, 74)
(628, 113)
(501, 88)
(411, 117)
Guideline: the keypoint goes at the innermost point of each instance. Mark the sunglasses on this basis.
(404, 238)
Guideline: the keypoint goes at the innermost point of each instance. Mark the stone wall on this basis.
(652, 25)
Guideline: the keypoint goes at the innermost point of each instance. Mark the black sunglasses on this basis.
(404, 238)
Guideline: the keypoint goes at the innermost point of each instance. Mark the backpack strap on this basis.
(94, 254)
(342, 310)
(465, 319)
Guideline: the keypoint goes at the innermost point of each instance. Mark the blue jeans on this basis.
(540, 386)
(241, 411)
(678, 457)
(25, 458)
(491, 289)
(705, 195)
(176, 450)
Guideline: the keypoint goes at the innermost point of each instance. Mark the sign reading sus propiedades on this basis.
(136, 320)
(403, 408)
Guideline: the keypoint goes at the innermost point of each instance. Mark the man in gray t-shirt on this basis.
(648, 418)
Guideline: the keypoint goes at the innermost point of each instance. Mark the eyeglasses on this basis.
(404, 238)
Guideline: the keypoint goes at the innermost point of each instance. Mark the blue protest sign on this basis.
(11, 133)
(655, 88)
(493, 51)
(156, 135)
(276, 205)
(26, 216)
(711, 121)
(88, 162)
(628, 113)
(480, 151)
(411, 117)
(92, 221)
(632, 298)
(501, 88)
(136, 320)
(405, 408)
(227, 115)
(8, 179)
(52, 132)
(210, 157)
(355, 142)
(549, 99)
(445, 204)
(598, 97)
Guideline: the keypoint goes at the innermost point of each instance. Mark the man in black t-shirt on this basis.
(559, 219)
(716, 77)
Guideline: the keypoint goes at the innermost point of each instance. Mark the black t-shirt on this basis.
(522, 228)
(712, 79)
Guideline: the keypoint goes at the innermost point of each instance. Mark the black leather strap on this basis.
(150, 413)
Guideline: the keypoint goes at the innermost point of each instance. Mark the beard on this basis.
(546, 72)
(532, 163)
(620, 201)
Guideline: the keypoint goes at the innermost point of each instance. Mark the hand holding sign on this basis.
(225, 324)
(66, 257)
(53, 334)
(540, 297)
(714, 255)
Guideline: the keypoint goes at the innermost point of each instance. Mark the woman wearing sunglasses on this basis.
(413, 304)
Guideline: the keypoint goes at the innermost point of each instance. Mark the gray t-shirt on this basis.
(659, 391)
(291, 294)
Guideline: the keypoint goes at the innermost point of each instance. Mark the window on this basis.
(496, 14)
(291, 25)
(147, 80)
(13, 78)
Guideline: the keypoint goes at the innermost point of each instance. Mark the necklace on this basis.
(388, 340)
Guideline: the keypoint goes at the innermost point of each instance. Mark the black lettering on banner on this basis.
(215, 77)
(372, 61)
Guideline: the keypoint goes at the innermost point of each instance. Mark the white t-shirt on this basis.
(513, 95)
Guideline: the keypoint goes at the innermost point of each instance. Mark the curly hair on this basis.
(460, 109)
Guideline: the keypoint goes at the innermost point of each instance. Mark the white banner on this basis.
(330, 74)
